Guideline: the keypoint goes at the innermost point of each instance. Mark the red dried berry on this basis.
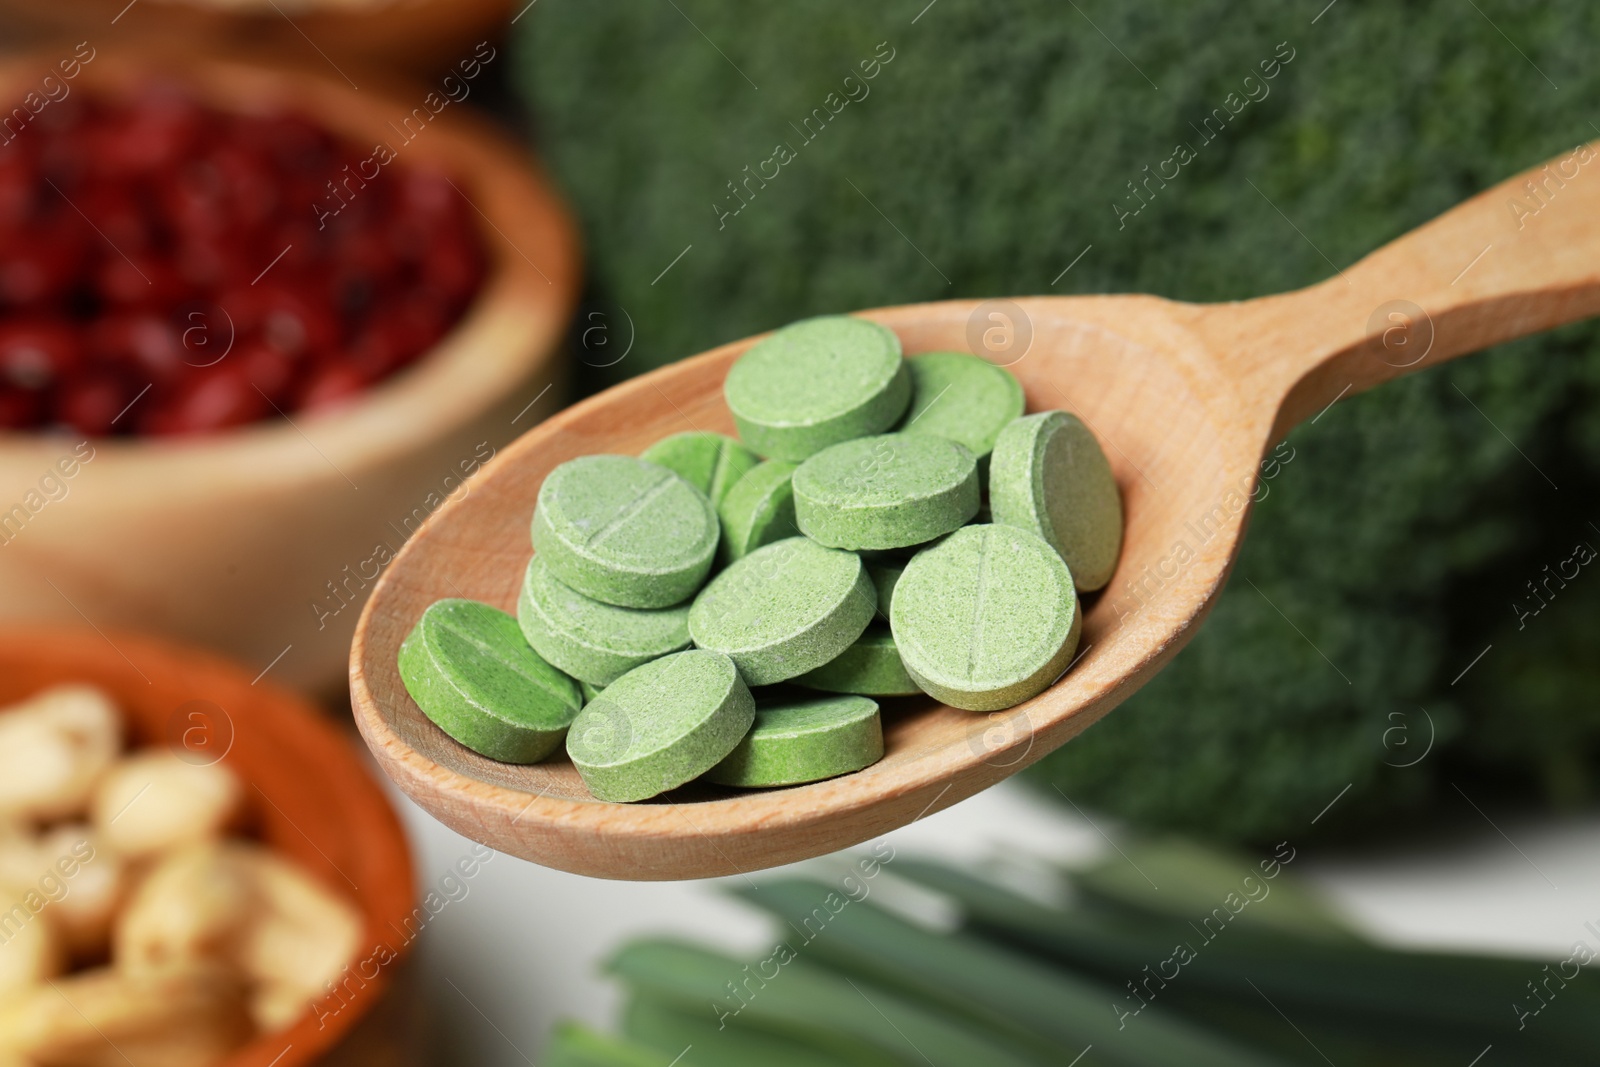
(330, 385)
(208, 400)
(144, 345)
(90, 404)
(152, 134)
(40, 264)
(35, 353)
(267, 369)
(20, 409)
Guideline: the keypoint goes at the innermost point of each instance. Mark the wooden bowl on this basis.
(422, 36)
(261, 541)
(310, 794)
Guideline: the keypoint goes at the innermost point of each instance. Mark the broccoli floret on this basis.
(992, 146)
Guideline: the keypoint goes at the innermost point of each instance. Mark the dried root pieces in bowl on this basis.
(68, 870)
(53, 749)
(154, 801)
(132, 924)
(247, 910)
(189, 1017)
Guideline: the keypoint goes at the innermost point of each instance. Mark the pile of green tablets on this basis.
(727, 610)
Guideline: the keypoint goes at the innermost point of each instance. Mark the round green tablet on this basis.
(711, 462)
(885, 492)
(885, 575)
(660, 725)
(1048, 475)
(804, 740)
(625, 531)
(590, 690)
(470, 670)
(961, 398)
(758, 510)
(784, 609)
(815, 383)
(986, 618)
(589, 639)
(871, 667)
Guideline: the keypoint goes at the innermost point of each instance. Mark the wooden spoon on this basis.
(1184, 398)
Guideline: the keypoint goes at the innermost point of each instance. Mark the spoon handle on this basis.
(1521, 257)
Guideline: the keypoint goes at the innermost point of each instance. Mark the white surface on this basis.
(523, 945)
(1518, 886)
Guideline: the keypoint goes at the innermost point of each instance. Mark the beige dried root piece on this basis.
(106, 1017)
(17, 847)
(30, 949)
(191, 908)
(244, 907)
(68, 878)
(153, 801)
(54, 747)
(94, 878)
(302, 941)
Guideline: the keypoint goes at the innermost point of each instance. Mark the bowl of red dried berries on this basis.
(255, 325)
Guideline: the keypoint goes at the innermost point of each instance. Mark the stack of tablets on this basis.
(832, 547)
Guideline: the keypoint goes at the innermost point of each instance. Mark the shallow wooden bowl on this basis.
(261, 541)
(309, 793)
(423, 36)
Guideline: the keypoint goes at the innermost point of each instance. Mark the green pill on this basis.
(593, 641)
(815, 383)
(625, 531)
(1048, 475)
(885, 492)
(711, 462)
(660, 725)
(961, 398)
(471, 672)
(885, 575)
(784, 609)
(590, 690)
(759, 510)
(986, 618)
(871, 666)
(804, 740)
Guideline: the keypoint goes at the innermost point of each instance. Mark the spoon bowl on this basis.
(1184, 399)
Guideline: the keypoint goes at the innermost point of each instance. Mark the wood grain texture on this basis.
(424, 36)
(1184, 398)
(308, 792)
(227, 540)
